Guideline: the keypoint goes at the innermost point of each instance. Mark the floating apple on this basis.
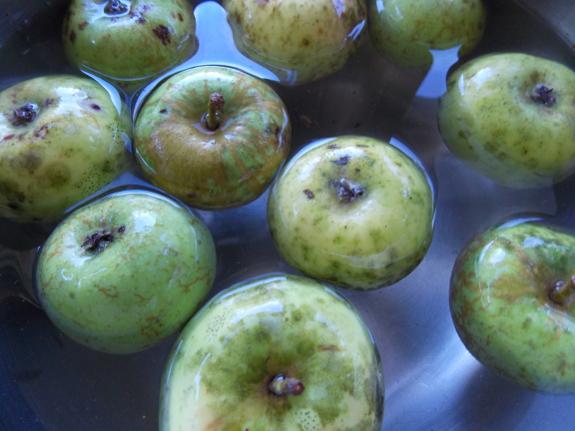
(126, 271)
(129, 42)
(405, 31)
(274, 353)
(510, 117)
(299, 40)
(212, 136)
(353, 211)
(512, 299)
(62, 138)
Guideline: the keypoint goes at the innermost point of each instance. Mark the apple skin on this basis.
(489, 120)
(131, 47)
(218, 372)
(139, 289)
(505, 307)
(212, 169)
(404, 31)
(369, 243)
(299, 40)
(75, 145)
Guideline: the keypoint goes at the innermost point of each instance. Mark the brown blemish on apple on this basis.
(309, 193)
(342, 160)
(72, 36)
(25, 114)
(98, 241)
(163, 33)
(115, 7)
(82, 25)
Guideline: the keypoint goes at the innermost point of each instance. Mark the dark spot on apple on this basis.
(24, 115)
(180, 17)
(342, 160)
(13, 206)
(305, 42)
(163, 111)
(83, 25)
(72, 36)
(48, 102)
(122, 229)
(542, 94)
(5, 138)
(95, 107)
(163, 33)
(115, 7)
(97, 242)
(57, 174)
(362, 146)
(331, 146)
(309, 193)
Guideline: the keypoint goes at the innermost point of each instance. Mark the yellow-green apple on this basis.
(512, 299)
(212, 136)
(277, 352)
(353, 211)
(509, 116)
(62, 138)
(299, 40)
(126, 271)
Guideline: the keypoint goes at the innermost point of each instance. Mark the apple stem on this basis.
(115, 7)
(562, 291)
(281, 385)
(215, 105)
(25, 114)
(542, 94)
(347, 191)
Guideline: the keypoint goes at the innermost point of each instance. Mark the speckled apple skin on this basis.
(140, 289)
(129, 49)
(217, 374)
(225, 168)
(502, 311)
(75, 146)
(489, 121)
(299, 40)
(367, 244)
(404, 31)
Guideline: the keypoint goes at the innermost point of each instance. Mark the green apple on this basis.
(405, 31)
(512, 300)
(510, 117)
(129, 42)
(62, 138)
(212, 136)
(353, 211)
(278, 352)
(299, 40)
(126, 271)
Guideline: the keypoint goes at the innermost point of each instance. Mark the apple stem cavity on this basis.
(281, 385)
(115, 7)
(542, 94)
(25, 115)
(211, 120)
(562, 293)
(347, 191)
(98, 241)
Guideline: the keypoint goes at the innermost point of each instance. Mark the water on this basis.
(65, 386)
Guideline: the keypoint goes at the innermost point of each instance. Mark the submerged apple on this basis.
(510, 117)
(62, 138)
(299, 40)
(354, 211)
(405, 31)
(275, 353)
(512, 299)
(129, 42)
(212, 136)
(126, 271)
